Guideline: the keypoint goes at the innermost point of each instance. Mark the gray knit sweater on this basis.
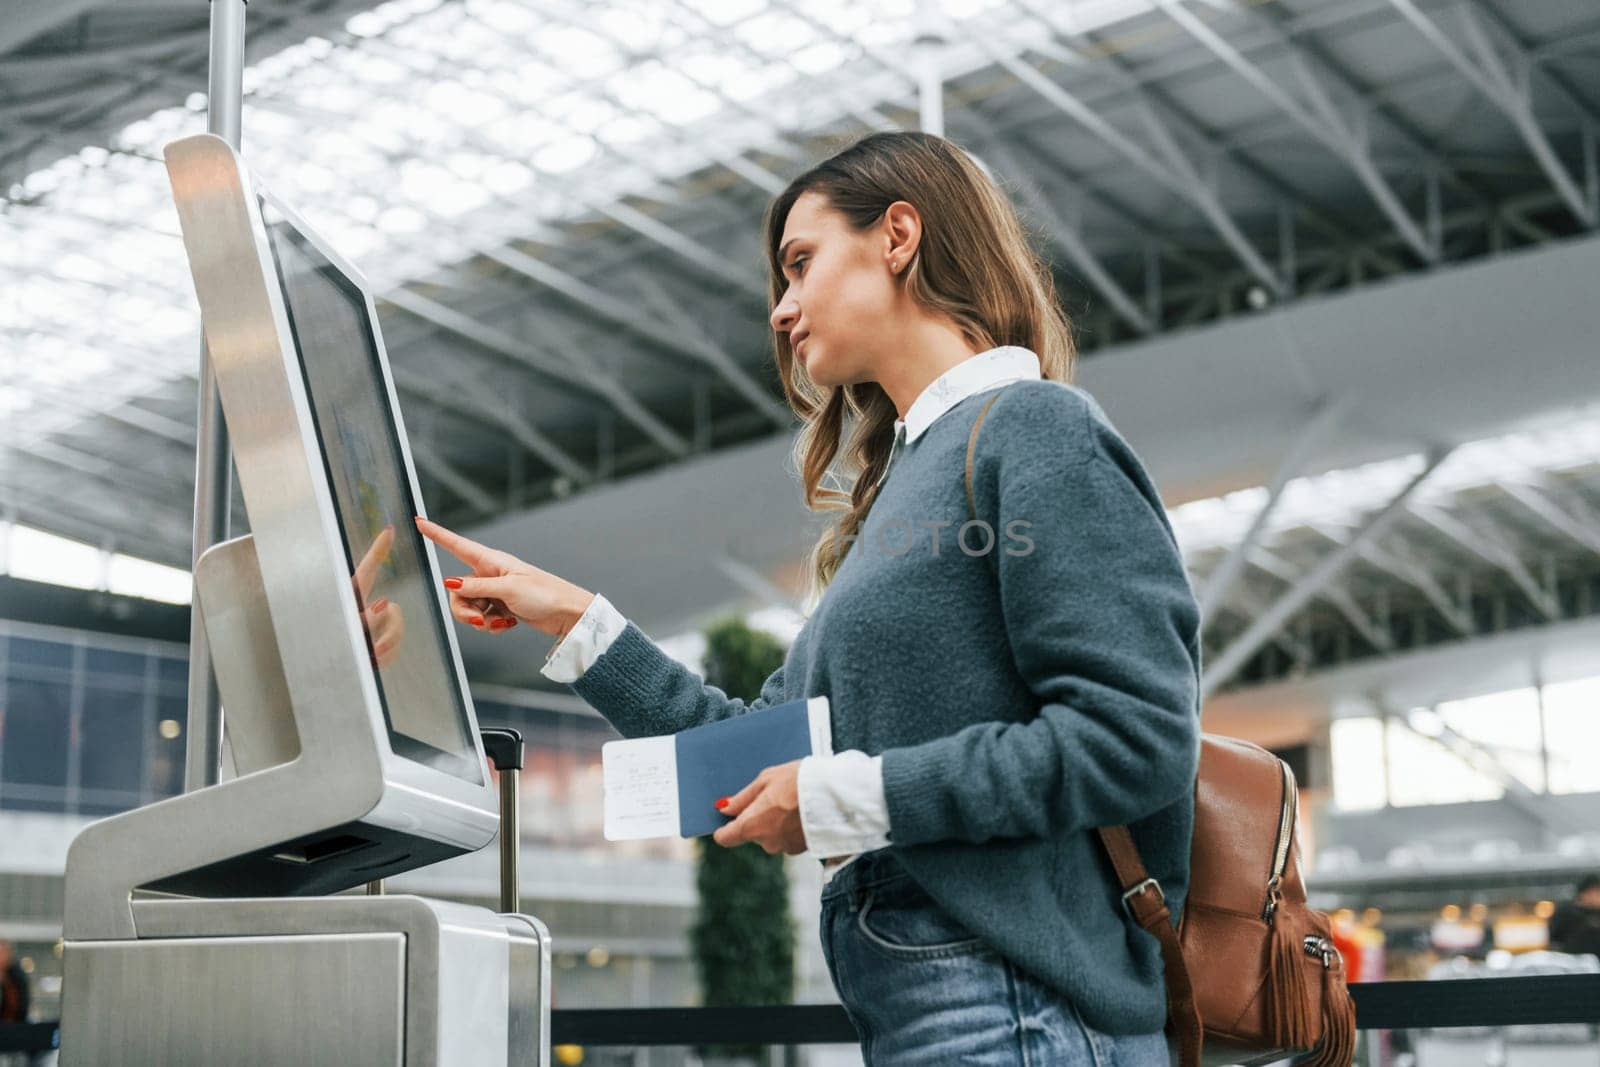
(1019, 696)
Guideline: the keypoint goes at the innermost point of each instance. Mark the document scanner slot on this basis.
(323, 849)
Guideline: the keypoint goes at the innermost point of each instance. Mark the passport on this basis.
(669, 785)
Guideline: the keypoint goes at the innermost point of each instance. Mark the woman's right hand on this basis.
(502, 589)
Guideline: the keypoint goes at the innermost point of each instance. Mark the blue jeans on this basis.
(921, 989)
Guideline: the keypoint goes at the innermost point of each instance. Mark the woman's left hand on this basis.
(767, 811)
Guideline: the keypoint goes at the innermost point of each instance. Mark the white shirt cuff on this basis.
(842, 806)
(598, 626)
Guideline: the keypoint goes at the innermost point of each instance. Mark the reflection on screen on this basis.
(390, 573)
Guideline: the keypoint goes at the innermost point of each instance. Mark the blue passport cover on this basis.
(720, 758)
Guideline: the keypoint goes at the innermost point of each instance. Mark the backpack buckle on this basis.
(1138, 890)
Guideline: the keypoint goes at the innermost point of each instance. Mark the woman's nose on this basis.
(785, 315)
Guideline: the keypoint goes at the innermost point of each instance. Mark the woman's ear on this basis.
(902, 231)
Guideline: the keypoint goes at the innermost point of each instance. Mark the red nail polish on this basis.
(722, 803)
(476, 620)
(452, 583)
(502, 624)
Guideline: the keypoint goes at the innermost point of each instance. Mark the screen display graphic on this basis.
(391, 577)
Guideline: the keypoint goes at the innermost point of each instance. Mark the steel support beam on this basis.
(620, 313)
(1493, 552)
(1400, 564)
(1068, 239)
(1221, 579)
(1226, 665)
(589, 381)
(74, 517)
(452, 478)
(27, 19)
(1169, 166)
(420, 387)
(1347, 141)
(1584, 531)
(1507, 88)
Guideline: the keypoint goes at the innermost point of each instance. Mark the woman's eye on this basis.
(794, 264)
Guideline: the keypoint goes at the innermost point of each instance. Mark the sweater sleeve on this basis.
(644, 692)
(1103, 627)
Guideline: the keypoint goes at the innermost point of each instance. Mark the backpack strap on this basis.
(1144, 901)
(972, 448)
(1141, 894)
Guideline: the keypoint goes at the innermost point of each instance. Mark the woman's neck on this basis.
(929, 348)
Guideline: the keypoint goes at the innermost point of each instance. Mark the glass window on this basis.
(33, 758)
(105, 661)
(167, 751)
(27, 652)
(111, 754)
(172, 671)
(1430, 772)
(1572, 733)
(1358, 775)
(1504, 726)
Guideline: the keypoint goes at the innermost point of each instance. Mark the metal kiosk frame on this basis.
(198, 929)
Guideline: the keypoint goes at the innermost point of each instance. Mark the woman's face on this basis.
(841, 298)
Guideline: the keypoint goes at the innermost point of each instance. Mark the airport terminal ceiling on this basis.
(559, 205)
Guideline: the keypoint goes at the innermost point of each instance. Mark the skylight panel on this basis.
(655, 88)
(130, 576)
(776, 33)
(417, 133)
(726, 12)
(43, 557)
(579, 52)
(649, 26)
(566, 154)
(1346, 497)
(503, 16)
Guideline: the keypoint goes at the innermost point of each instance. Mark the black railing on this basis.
(1533, 1000)
(1523, 1001)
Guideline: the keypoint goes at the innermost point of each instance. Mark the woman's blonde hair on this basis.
(973, 266)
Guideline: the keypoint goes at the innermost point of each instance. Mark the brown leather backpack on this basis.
(1252, 973)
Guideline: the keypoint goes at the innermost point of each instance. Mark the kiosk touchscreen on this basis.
(346, 707)
(426, 710)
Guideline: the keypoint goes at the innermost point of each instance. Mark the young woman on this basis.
(1001, 683)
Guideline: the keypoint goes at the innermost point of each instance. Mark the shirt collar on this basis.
(976, 374)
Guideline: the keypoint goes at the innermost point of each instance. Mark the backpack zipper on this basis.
(1280, 854)
(1320, 948)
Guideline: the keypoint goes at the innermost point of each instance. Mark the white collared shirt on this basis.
(842, 808)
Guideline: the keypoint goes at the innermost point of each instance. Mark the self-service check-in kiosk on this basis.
(204, 929)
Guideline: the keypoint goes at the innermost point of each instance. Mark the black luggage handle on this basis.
(504, 749)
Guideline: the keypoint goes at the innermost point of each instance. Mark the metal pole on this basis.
(504, 749)
(928, 49)
(213, 488)
(510, 838)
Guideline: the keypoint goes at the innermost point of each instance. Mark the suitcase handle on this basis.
(503, 746)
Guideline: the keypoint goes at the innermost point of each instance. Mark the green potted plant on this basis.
(743, 935)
